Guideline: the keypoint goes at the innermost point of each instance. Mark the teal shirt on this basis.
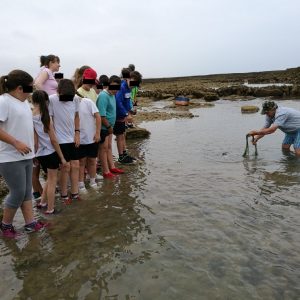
(106, 104)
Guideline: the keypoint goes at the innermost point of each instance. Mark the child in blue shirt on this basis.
(123, 109)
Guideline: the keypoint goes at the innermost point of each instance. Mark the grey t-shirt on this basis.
(45, 146)
(63, 115)
(287, 119)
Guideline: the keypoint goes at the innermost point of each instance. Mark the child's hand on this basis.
(77, 139)
(21, 147)
(129, 119)
(97, 138)
(110, 130)
(63, 162)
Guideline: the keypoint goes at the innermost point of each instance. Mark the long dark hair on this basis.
(42, 99)
(46, 59)
(14, 79)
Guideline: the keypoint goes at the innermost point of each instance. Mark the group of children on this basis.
(66, 130)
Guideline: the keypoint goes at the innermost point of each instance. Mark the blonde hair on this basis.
(77, 77)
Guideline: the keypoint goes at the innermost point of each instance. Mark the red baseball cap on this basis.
(89, 74)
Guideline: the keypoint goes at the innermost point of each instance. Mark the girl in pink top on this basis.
(45, 80)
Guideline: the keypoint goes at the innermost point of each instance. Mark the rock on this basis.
(211, 97)
(137, 133)
(166, 96)
(248, 109)
(268, 92)
(295, 92)
(197, 94)
(3, 187)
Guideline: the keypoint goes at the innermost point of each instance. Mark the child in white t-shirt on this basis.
(16, 150)
(90, 125)
(48, 151)
(64, 110)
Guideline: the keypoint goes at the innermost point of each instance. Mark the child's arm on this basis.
(7, 138)
(77, 129)
(55, 143)
(36, 142)
(98, 127)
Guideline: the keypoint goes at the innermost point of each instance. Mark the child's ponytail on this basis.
(42, 99)
(3, 88)
(14, 79)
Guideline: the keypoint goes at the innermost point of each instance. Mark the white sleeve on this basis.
(3, 109)
(50, 107)
(77, 103)
(94, 108)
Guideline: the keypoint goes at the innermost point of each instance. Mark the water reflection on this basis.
(192, 220)
(277, 182)
(89, 245)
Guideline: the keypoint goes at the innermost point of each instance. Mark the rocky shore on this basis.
(202, 90)
(231, 86)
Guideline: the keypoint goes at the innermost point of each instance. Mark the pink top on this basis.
(50, 85)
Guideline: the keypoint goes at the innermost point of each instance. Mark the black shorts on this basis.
(119, 127)
(69, 151)
(103, 134)
(88, 150)
(50, 161)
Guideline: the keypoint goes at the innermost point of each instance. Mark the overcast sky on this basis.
(163, 38)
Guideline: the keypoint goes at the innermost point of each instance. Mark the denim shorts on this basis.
(292, 138)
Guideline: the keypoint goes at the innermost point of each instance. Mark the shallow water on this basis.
(261, 85)
(192, 220)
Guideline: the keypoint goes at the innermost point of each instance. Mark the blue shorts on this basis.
(292, 138)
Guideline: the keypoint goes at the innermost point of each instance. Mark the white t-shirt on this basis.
(16, 120)
(44, 143)
(87, 109)
(63, 114)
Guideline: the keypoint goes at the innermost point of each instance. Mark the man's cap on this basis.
(267, 106)
(89, 74)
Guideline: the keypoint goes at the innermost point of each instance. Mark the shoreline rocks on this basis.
(249, 109)
(213, 94)
(224, 85)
